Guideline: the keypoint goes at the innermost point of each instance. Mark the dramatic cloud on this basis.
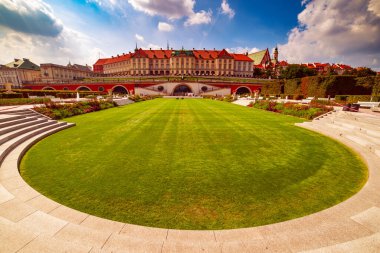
(336, 31)
(199, 18)
(139, 37)
(33, 17)
(173, 9)
(226, 9)
(68, 46)
(242, 50)
(165, 27)
(29, 29)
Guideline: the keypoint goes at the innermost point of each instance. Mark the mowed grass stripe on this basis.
(192, 164)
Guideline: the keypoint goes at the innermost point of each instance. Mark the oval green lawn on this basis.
(192, 164)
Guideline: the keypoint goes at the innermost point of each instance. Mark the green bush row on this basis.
(23, 101)
(308, 111)
(356, 98)
(324, 86)
(60, 111)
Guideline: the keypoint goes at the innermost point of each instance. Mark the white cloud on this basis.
(336, 31)
(374, 6)
(68, 46)
(139, 37)
(173, 9)
(242, 50)
(226, 9)
(41, 37)
(165, 27)
(33, 17)
(201, 17)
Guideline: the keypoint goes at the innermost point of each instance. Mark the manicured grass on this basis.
(192, 164)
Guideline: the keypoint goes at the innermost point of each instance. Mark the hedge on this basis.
(323, 86)
(356, 98)
(60, 111)
(25, 93)
(23, 101)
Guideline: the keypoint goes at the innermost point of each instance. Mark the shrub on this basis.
(60, 111)
(299, 110)
(23, 101)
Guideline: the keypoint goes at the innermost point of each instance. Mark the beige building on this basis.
(176, 62)
(59, 73)
(19, 72)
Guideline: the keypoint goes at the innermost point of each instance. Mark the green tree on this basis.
(296, 71)
(362, 72)
(257, 72)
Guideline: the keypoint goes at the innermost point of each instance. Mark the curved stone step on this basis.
(16, 122)
(8, 146)
(12, 134)
(10, 118)
(9, 129)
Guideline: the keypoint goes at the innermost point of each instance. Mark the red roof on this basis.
(283, 63)
(206, 54)
(224, 54)
(158, 54)
(242, 57)
(259, 66)
(166, 54)
(101, 61)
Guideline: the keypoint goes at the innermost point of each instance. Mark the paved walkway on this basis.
(30, 222)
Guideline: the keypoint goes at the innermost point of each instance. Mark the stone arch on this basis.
(83, 88)
(120, 89)
(243, 90)
(182, 90)
(48, 88)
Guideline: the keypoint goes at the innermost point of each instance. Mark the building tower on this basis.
(275, 55)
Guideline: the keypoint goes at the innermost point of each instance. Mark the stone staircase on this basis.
(360, 128)
(31, 222)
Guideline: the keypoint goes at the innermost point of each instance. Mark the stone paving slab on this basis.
(5, 195)
(370, 244)
(39, 245)
(149, 234)
(82, 235)
(102, 224)
(129, 244)
(68, 214)
(25, 193)
(43, 203)
(42, 223)
(191, 235)
(369, 218)
(13, 238)
(15, 210)
(177, 247)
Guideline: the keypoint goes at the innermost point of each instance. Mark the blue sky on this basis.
(252, 26)
(79, 31)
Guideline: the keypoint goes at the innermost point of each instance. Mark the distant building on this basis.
(58, 73)
(177, 63)
(262, 59)
(19, 72)
(340, 69)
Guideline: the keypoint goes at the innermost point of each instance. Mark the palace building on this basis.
(176, 62)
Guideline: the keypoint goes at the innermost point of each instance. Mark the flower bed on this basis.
(23, 101)
(307, 111)
(60, 111)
